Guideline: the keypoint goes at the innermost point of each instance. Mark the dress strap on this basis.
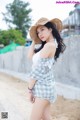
(56, 43)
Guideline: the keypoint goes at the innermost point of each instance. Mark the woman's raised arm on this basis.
(31, 50)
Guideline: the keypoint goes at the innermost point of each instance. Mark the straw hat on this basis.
(43, 21)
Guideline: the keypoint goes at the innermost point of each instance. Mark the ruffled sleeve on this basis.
(42, 68)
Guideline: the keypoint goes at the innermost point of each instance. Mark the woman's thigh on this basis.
(38, 109)
(47, 113)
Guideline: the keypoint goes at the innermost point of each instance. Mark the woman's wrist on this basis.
(30, 90)
(33, 43)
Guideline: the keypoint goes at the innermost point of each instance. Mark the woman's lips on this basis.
(42, 38)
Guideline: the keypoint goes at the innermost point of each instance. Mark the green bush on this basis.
(11, 35)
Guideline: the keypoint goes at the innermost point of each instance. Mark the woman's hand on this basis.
(31, 98)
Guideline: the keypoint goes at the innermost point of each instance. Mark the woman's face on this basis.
(44, 33)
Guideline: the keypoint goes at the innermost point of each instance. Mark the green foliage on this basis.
(8, 36)
(18, 16)
(9, 48)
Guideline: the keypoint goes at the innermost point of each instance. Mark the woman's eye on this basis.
(42, 29)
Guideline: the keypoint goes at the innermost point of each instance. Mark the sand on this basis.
(66, 109)
(13, 99)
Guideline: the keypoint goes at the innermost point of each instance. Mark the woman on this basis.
(41, 87)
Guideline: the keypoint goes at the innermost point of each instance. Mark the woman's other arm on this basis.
(30, 54)
(31, 83)
(31, 50)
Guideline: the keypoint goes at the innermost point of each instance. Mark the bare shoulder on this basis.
(50, 46)
(48, 50)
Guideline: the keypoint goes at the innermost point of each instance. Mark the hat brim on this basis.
(33, 34)
(58, 24)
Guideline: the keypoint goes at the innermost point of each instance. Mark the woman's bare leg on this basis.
(38, 109)
(46, 113)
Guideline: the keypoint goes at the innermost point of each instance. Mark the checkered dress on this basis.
(42, 72)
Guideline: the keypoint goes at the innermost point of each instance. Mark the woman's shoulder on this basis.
(50, 45)
(48, 50)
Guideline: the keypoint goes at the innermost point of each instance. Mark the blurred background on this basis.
(16, 17)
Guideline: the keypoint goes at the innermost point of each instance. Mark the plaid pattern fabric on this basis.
(45, 82)
(45, 91)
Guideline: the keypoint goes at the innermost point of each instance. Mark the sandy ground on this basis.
(13, 99)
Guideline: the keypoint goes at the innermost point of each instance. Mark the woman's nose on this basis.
(39, 35)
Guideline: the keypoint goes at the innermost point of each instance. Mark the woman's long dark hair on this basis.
(61, 46)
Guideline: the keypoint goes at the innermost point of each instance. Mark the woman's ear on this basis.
(50, 29)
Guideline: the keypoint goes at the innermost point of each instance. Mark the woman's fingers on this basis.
(32, 99)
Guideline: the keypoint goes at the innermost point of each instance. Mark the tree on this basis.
(17, 16)
(11, 35)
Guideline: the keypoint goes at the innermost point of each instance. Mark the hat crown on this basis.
(42, 21)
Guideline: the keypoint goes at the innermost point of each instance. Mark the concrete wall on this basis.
(66, 69)
(16, 60)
